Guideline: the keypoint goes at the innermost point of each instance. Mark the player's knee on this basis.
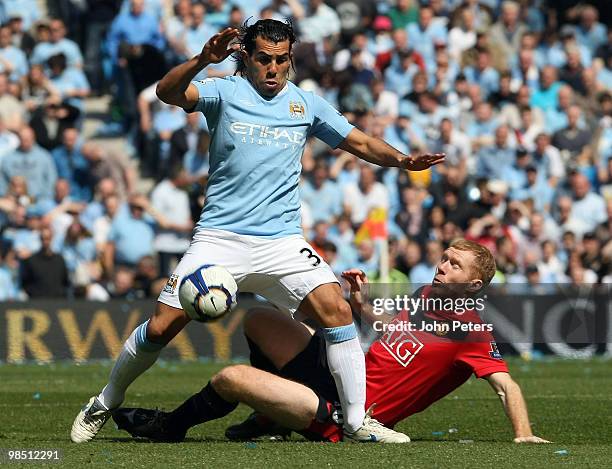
(228, 379)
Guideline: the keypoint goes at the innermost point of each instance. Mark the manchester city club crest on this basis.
(297, 110)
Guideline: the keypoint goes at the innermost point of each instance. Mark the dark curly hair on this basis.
(271, 30)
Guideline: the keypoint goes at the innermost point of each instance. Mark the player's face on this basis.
(268, 66)
(454, 272)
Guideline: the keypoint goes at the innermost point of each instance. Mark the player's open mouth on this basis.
(271, 83)
(437, 280)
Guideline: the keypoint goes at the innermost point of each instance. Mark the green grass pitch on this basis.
(570, 403)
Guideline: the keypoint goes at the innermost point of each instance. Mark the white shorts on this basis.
(282, 270)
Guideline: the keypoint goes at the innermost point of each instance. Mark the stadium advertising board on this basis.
(563, 324)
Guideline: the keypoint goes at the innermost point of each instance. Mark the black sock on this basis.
(201, 407)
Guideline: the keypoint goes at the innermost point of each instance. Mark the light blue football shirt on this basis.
(255, 154)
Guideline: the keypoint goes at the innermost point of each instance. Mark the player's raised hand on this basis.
(531, 439)
(218, 48)
(421, 162)
(356, 278)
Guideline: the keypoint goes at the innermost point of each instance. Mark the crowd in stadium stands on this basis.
(517, 94)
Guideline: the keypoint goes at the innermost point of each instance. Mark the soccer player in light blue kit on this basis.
(250, 224)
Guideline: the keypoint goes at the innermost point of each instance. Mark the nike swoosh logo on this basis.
(212, 300)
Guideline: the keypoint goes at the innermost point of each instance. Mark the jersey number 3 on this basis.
(316, 260)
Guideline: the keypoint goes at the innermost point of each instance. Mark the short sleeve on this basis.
(482, 357)
(329, 125)
(209, 97)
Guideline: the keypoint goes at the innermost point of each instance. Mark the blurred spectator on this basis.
(403, 13)
(38, 90)
(571, 72)
(103, 223)
(463, 36)
(545, 96)
(507, 31)
(483, 128)
(21, 38)
(131, 236)
(198, 32)
(31, 162)
(175, 28)
(189, 148)
(27, 11)
(483, 74)
(135, 46)
(355, 15)
(551, 269)
(9, 289)
(455, 144)
(107, 164)
(591, 256)
(9, 142)
(72, 165)
(567, 220)
(322, 193)
(133, 28)
(173, 238)
(12, 111)
(547, 159)
(44, 274)
(71, 83)
(318, 22)
(57, 44)
(423, 272)
(364, 196)
(147, 280)
(95, 209)
(122, 286)
(99, 15)
(495, 161)
(588, 206)
(367, 258)
(590, 32)
(535, 189)
(13, 60)
(572, 140)
(426, 34)
(78, 249)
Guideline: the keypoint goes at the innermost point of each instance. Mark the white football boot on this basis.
(372, 431)
(90, 420)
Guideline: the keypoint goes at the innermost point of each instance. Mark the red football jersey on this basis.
(407, 371)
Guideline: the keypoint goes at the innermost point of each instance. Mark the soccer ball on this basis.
(208, 293)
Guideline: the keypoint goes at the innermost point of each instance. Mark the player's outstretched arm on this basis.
(511, 397)
(175, 87)
(377, 151)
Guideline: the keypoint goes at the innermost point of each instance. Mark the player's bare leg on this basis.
(139, 352)
(289, 403)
